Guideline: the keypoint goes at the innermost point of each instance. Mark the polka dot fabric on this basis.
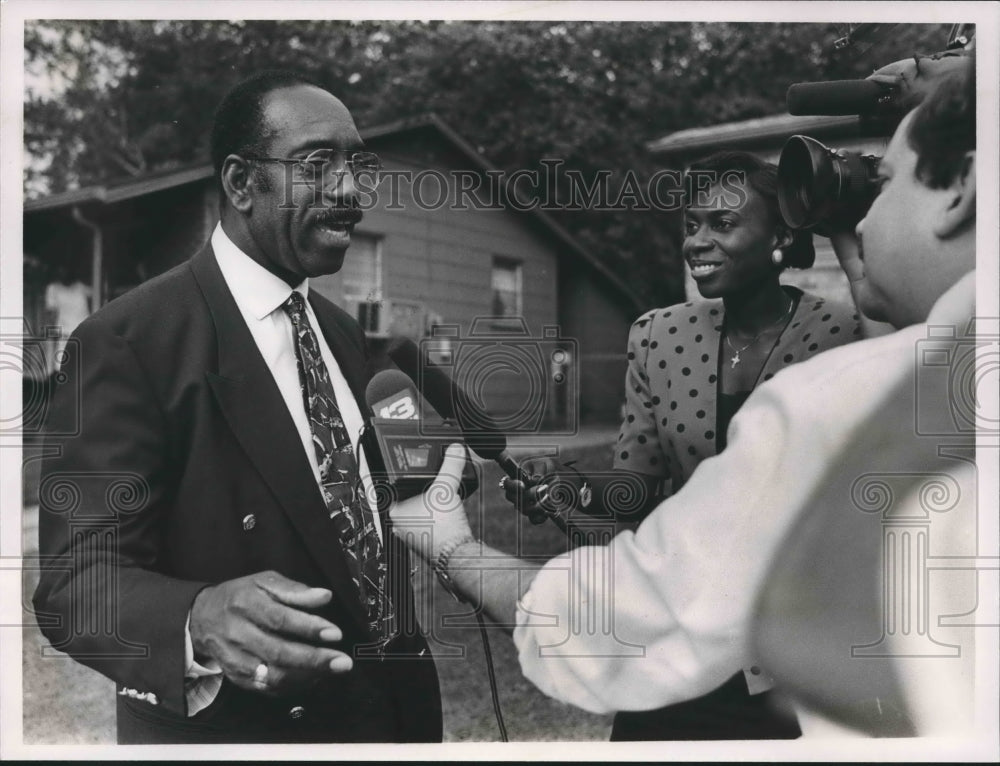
(671, 385)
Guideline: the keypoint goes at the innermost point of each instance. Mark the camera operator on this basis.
(618, 627)
(823, 610)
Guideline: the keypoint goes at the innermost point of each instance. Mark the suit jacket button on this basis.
(249, 522)
(296, 712)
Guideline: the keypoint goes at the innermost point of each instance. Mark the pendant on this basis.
(735, 360)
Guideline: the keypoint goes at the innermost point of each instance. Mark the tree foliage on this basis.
(110, 99)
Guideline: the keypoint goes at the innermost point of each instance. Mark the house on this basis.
(424, 263)
(765, 136)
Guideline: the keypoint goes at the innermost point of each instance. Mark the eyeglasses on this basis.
(329, 165)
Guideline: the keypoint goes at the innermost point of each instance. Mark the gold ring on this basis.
(503, 484)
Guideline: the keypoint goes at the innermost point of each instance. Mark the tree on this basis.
(136, 96)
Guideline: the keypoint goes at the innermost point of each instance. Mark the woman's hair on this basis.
(762, 177)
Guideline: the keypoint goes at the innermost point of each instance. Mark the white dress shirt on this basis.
(663, 615)
(260, 295)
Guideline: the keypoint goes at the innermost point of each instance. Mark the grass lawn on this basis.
(64, 702)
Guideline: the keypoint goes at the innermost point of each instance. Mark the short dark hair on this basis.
(239, 126)
(762, 177)
(943, 128)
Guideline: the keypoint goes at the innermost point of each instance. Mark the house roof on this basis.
(161, 180)
(469, 152)
(122, 190)
(757, 130)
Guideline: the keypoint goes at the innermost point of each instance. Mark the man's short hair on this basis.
(239, 120)
(943, 129)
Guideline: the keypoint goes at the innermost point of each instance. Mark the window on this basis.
(506, 284)
(362, 269)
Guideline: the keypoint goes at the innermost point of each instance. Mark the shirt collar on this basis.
(256, 290)
(957, 304)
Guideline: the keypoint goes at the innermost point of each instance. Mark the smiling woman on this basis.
(692, 366)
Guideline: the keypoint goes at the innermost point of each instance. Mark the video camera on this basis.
(817, 184)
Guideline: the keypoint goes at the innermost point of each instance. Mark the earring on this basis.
(777, 256)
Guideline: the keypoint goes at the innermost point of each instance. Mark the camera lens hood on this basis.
(808, 182)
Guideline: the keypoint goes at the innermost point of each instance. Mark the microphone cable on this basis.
(487, 651)
(491, 673)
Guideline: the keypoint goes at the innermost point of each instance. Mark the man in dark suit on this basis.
(209, 535)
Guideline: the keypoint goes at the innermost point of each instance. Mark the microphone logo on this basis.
(402, 407)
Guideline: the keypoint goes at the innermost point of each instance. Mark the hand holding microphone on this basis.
(412, 438)
(481, 434)
(895, 87)
(551, 492)
(441, 505)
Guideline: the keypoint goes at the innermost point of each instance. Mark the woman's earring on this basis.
(777, 256)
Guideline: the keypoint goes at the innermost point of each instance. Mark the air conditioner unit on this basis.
(385, 318)
(407, 319)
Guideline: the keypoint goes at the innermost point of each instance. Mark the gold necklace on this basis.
(735, 358)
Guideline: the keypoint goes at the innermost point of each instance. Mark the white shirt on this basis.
(259, 296)
(71, 304)
(663, 615)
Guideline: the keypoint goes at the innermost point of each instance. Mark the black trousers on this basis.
(729, 712)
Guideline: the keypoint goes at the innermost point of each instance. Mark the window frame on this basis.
(517, 265)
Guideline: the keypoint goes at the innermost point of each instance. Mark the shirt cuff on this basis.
(201, 682)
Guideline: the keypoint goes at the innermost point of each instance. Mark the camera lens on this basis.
(806, 181)
(816, 184)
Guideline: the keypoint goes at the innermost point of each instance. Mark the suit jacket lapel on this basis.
(257, 415)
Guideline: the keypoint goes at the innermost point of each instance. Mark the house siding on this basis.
(440, 258)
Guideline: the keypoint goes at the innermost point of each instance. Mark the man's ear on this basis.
(961, 201)
(237, 182)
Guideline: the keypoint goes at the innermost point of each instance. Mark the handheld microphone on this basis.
(412, 455)
(482, 436)
(836, 97)
(889, 91)
(393, 396)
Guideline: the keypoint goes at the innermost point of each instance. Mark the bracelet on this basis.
(440, 565)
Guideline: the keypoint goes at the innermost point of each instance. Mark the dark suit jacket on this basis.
(186, 470)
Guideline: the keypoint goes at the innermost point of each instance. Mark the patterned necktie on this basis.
(341, 481)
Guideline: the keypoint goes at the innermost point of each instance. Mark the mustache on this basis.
(339, 215)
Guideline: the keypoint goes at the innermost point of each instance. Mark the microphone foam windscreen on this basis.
(837, 97)
(386, 384)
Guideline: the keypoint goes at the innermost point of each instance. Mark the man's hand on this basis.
(428, 522)
(263, 618)
(845, 245)
(916, 76)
